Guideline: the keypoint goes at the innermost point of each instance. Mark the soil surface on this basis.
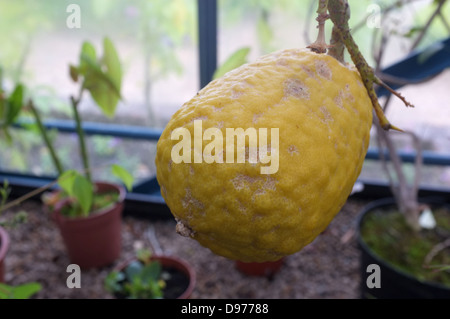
(328, 268)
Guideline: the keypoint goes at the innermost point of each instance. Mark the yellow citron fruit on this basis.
(315, 115)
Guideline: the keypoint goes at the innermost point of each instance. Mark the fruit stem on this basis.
(320, 45)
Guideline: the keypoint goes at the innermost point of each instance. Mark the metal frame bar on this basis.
(207, 31)
(104, 129)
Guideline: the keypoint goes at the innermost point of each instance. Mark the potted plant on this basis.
(412, 263)
(148, 276)
(403, 238)
(92, 239)
(405, 235)
(88, 212)
(23, 291)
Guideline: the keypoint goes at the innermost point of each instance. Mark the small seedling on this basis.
(143, 278)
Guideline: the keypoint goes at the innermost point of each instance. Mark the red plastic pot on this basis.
(4, 246)
(171, 262)
(264, 269)
(93, 241)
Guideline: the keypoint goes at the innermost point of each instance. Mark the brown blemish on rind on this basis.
(327, 117)
(344, 95)
(256, 117)
(263, 184)
(308, 71)
(323, 70)
(190, 202)
(236, 94)
(292, 149)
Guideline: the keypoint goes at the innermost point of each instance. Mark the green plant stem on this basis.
(48, 143)
(81, 136)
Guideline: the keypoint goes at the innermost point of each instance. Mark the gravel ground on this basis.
(327, 268)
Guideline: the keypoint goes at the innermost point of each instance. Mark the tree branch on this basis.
(337, 45)
(336, 8)
(436, 13)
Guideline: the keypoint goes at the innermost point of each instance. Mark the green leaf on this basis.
(23, 291)
(237, 59)
(15, 103)
(88, 57)
(151, 272)
(133, 270)
(102, 78)
(32, 127)
(1, 78)
(112, 281)
(412, 32)
(3, 110)
(112, 63)
(74, 73)
(83, 191)
(27, 290)
(144, 255)
(6, 135)
(123, 175)
(66, 181)
(104, 95)
(77, 186)
(100, 84)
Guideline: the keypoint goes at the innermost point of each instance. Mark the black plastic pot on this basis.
(394, 283)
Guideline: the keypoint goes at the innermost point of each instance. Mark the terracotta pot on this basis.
(171, 262)
(4, 246)
(264, 269)
(93, 241)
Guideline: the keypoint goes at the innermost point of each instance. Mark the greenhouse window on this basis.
(210, 51)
